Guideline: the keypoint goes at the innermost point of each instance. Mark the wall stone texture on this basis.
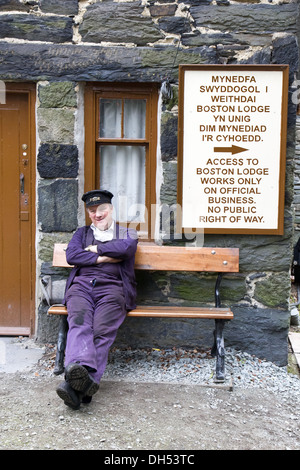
(62, 45)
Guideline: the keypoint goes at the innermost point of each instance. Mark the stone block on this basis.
(196, 2)
(163, 10)
(171, 101)
(274, 290)
(168, 192)
(168, 139)
(57, 29)
(57, 95)
(56, 125)
(118, 23)
(16, 5)
(58, 205)
(286, 51)
(197, 38)
(174, 25)
(67, 7)
(255, 18)
(165, 333)
(97, 63)
(260, 331)
(48, 325)
(58, 161)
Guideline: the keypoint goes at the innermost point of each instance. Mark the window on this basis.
(120, 148)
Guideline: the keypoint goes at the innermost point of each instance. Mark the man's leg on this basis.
(109, 314)
(80, 340)
(80, 351)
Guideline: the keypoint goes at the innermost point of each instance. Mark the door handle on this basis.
(22, 183)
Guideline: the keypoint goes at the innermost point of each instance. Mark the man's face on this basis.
(101, 215)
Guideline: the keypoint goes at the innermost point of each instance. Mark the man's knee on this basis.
(77, 316)
(115, 299)
(78, 310)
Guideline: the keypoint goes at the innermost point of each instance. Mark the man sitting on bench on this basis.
(100, 290)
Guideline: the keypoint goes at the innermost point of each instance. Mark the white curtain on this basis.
(122, 171)
(134, 119)
(122, 167)
(110, 118)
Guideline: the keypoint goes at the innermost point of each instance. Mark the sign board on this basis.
(231, 147)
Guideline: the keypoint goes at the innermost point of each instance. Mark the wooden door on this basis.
(16, 211)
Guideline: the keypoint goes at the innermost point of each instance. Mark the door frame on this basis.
(30, 90)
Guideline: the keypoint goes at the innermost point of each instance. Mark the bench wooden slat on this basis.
(165, 312)
(176, 258)
(57, 310)
(181, 312)
(173, 258)
(59, 256)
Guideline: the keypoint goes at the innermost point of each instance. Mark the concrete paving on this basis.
(18, 354)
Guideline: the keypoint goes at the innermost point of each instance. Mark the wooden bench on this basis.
(168, 258)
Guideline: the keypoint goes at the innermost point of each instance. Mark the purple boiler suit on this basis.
(98, 296)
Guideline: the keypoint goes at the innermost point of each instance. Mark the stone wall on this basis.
(62, 45)
(297, 181)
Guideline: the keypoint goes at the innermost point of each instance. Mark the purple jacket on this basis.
(123, 246)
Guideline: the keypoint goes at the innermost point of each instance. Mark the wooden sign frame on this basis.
(232, 128)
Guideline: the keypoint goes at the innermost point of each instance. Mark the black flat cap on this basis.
(97, 196)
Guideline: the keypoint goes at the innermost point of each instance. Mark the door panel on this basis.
(15, 215)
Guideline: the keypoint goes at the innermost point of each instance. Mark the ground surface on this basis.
(126, 415)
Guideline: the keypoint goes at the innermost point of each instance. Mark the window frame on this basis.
(149, 92)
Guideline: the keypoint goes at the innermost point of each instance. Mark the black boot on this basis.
(80, 380)
(86, 399)
(70, 397)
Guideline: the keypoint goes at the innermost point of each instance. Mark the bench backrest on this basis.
(172, 258)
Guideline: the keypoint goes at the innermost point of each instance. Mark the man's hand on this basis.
(101, 259)
(92, 248)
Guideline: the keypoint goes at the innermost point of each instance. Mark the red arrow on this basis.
(233, 149)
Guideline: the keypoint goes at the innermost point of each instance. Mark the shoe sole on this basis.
(79, 379)
(65, 396)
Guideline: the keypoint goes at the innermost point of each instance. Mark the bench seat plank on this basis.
(57, 310)
(164, 311)
(181, 312)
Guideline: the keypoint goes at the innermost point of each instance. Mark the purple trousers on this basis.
(95, 312)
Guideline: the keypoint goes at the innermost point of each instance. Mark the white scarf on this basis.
(103, 235)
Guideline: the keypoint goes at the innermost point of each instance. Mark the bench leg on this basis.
(218, 350)
(61, 345)
(217, 290)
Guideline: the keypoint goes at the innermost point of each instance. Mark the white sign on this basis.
(232, 142)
